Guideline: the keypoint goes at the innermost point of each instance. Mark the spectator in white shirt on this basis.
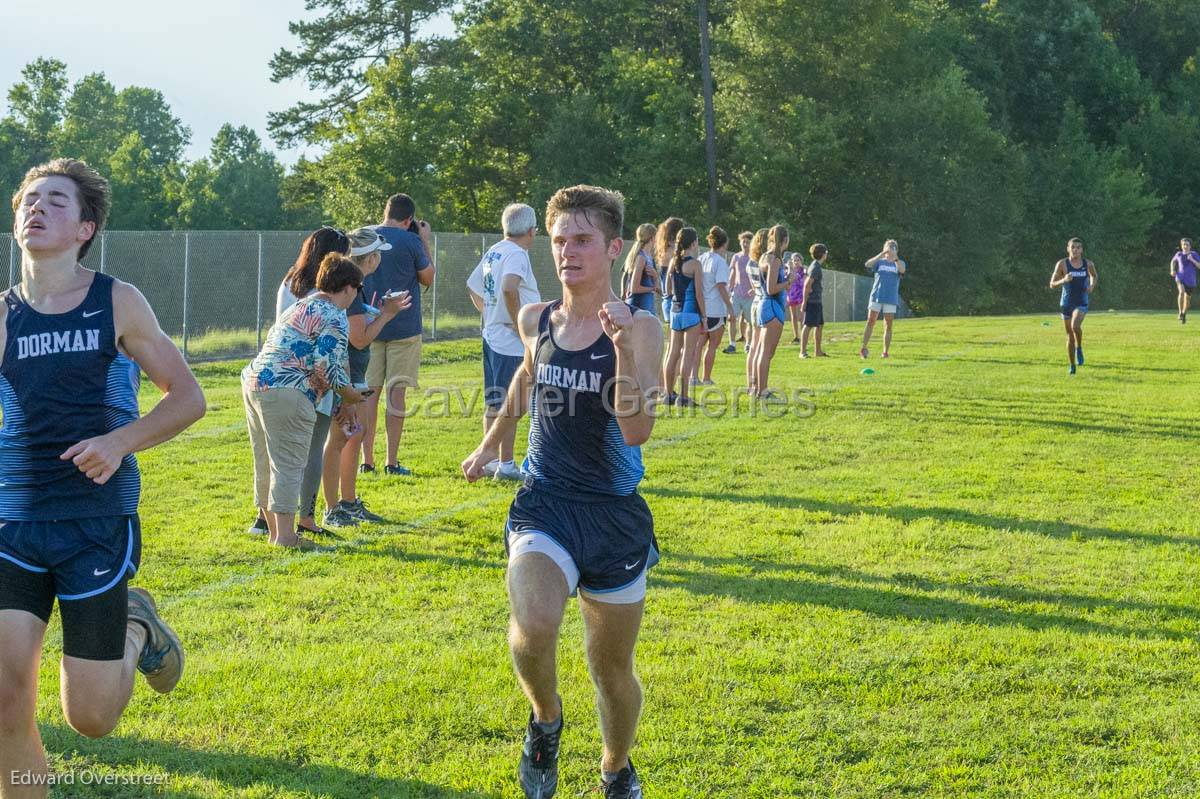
(501, 283)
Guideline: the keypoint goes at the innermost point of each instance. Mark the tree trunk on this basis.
(710, 144)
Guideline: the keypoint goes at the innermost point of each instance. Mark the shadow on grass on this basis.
(1028, 414)
(896, 596)
(905, 513)
(900, 596)
(236, 771)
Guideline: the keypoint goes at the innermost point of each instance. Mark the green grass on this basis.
(966, 575)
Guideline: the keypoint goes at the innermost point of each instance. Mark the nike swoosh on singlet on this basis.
(633, 565)
(98, 573)
(596, 357)
(87, 315)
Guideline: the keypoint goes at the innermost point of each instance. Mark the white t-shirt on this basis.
(716, 271)
(502, 259)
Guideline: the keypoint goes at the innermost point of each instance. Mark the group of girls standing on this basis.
(666, 263)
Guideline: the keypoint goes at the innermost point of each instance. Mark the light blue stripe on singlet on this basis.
(14, 455)
(624, 461)
(120, 409)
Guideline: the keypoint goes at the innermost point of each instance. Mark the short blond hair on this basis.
(608, 205)
(94, 194)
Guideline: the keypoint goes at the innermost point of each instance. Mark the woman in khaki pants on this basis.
(303, 358)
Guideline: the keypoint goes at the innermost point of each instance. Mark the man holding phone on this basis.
(396, 351)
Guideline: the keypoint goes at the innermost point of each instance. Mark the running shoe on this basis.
(396, 469)
(489, 468)
(359, 511)
(509, 471)
(538, 768)
(625, 786)
(863, 353)
(707, 382)
(161, 660)
(795, 341)
(804, 355)
(730, 350)
(366, 468)
(1072, 370)
(339, 516)
(885, 355)
(259, 527)
(1079, 355)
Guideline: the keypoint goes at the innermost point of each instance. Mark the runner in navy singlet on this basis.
(1077, 276)
(73, 341)
(578, 526)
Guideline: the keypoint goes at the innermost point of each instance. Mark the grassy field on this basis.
(966, 575)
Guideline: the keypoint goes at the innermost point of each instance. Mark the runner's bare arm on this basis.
(141, 339)
(1059, 276)
(637, 339)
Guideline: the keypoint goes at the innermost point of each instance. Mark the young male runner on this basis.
(1077, 276)
(578, 524)
(1183, 271)
(73, 341)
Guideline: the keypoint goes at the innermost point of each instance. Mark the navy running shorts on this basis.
(814, 314)
(610, 539)
(1069, 310)
(86, 564)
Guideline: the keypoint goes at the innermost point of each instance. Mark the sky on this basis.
(209, 59)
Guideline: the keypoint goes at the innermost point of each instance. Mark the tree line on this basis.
(982, 135)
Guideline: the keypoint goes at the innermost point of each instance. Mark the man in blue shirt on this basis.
(396, 351)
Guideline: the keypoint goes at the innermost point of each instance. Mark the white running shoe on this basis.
(509, 471)
(491, 467)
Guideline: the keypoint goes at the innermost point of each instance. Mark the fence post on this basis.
(854, 299)
(436, 279)
(103, 251)
(258, 295)
(836, 308)
(187, 255)
(12, 260)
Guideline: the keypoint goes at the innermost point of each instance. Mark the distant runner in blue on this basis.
(885, 294)
(74, 344)
(591, 380)
(1077, 277)
(1183, 270)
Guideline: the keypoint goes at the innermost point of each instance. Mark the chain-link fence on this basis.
(214, 291)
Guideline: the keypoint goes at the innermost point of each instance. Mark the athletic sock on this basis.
(552, 727)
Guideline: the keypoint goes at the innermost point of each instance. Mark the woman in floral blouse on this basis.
(303, 358)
